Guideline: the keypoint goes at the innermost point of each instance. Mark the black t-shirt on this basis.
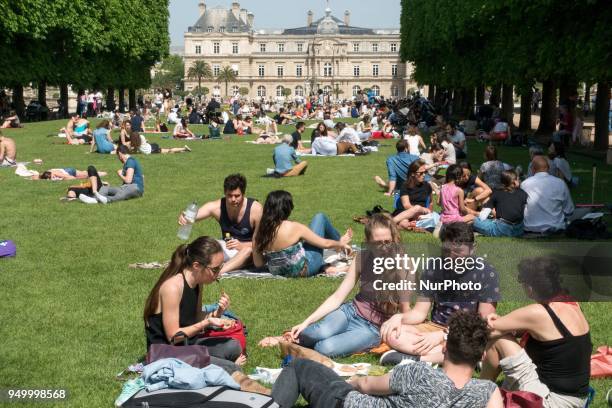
(296, 138)
(418, 194)
(508, 205)
(470, 184)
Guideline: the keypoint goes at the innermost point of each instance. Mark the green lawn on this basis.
(71, 308)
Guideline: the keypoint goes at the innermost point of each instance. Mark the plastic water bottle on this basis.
(190, 215)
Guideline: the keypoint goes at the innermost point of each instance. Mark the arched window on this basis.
(356, 89)
(327, 90)
(376, 90)
(217, 90)
(299, 91)
(261, 91)
(235, 90)
(279, 90)
(327, 69)
(395, 91)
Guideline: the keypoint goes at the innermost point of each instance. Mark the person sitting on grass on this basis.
(139, 144)
(409, 334)
(77, 130)
(500, 132)
(409, 385)
(415, 140)
(125, 132)
(364, 128)
(450, 153)
(181, 130)
(137, 121)
(415, 196)
(457, 138)
(452, 198)
(347, 134)
(67, 173)
(560, 167)
(320, 130)
(491, 170)
(433, 159)
(289, 248)
(238, 216)
(88, 188)
(284, 156)
(554, 361)
(174, 305)
(103, 142)
(132, 177)
(296, 143)
(397, 168)
(508, 206)
(8, 152)
(338, 329)
(283, 118)
(476, 191)
(12, 121)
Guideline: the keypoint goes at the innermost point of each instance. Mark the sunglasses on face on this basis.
(216, 269)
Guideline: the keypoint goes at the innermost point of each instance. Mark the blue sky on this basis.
(289, 13)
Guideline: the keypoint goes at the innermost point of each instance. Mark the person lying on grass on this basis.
(139, 144)
(238, 217)
(67, 173)
(292, 249)
(88, 188)
(409, 385)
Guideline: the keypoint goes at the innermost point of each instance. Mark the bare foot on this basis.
(240, 361)
(270, 341)
(382, 183)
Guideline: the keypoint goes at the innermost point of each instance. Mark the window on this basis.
(216, 48)
(356, 70)
(210, 29)
(281, 47)
(221, 29)
(374, 47)
(235, 90)
(234, 29)
(356, 90)
(236, 69)
(327, 69)
(376, 90)
(261, 91)
(375, 70)
(198, 49)
(300, 47)
(280, 70)
(216, 69)
(395, 91)
(279, 90)
(394, 70)
(234, 48)
(298, 70)
(299, 91)
(355, 47)
(393, 47)
(262, 47)
(262, 70)
(327, 90)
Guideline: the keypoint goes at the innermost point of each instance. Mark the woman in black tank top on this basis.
(562, 361)
(175, 302)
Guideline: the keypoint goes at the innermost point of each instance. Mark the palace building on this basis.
(327, 53)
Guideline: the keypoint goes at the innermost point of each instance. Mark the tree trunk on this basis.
(567, 88)
(110, 98)
(132, 98)
(495, 98)
(526, 97)
(548, 113)
(64, 100)
(508, 104)
(468, 101)
(480, 93)
(587, 95)
(122, 100)
(18, 102)
(431, 92)
(602, 118)
(439, 98)
(42, 93)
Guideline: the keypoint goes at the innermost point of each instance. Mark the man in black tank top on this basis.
(238, 217)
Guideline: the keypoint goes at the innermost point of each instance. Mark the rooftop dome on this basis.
(328, 26)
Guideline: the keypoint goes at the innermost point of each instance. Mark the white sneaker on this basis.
(87, 199)
(101, 198)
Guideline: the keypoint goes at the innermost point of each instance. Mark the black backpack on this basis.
(588, 229)
(209, 397)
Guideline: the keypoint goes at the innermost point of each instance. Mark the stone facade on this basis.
(325, 54)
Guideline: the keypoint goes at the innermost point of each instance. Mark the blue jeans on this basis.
(321, 226)
(341, 333)
(497, 228)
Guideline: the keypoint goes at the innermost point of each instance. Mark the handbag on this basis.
(236, 332)
(521, 399)
(195, 355)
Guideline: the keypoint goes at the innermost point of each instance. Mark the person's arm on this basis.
(418, 313)
(258, 258)
(461, 197)
(485, 187)
(294, 156)
(307, 235)
(496, 400)
(372, 385)
(525, 318)
(486, 308)
(405, 199)
(391, 188)
(129, 175)
(422, 144)
(568, 204)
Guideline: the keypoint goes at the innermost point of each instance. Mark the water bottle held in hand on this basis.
(190, 215)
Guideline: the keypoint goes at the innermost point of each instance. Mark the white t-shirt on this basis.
(413, 143)
(548, 202)
(500, 127)
(344, 111)
(178, 128)
(325, 146)
(449, 152)
(145, 147)
(159, 98)
(349, 134)
(173, 117)
(459, 137)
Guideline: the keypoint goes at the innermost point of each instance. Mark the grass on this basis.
(71, 307)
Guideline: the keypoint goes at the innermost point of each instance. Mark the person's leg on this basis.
(94, 178)
(125, 192)
(382, 183)
(222, 347)
(297, 170)
(487, 227)
(241, 259)
(410, 214)
(318, 384)
(322, 226)
(334, 323)
(359, 336)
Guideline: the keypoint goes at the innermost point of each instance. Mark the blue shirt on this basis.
(397, 166)
(136, 123)
(138, 179)
(284, 156)
(102, 144)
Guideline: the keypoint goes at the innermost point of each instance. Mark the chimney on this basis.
(347, 18)
(236, 9)
(250, 19)
(202, 7)
(309, 18)
(243, 15)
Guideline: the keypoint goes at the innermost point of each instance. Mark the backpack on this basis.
(588, 229)
(209, 397)
(7, 249)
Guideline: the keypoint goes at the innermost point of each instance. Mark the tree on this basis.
(170, 73)
(337, 91)
(199, 70)
(287, 92)
(244, 91)
(201, 91)
(226, 75)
